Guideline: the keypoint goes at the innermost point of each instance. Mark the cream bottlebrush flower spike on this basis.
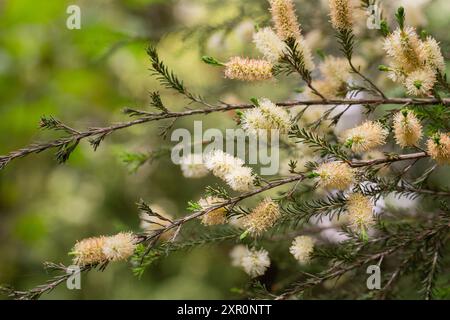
(119, 247)
(262, 218)
(245, 69)
(214, 217)
(336, 71)
(336, 75)
(192, 166)
(335, 175)
(231, 170)
(221, 163)
(341, 14)
(404, 47)
(285, 19)
(360, 212)
(266, 116)
(301, 249)
(431, 55)
(89, 251)
(240, 179)
(237, 253)
(99, 250)
(269, 44)
(416, 63)
(365, 137)
(255, 262)
(421, 82)
(407, 128)
(287, 27)
(439, 148)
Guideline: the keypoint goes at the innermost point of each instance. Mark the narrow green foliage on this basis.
(318, 143)
(293, 61)
(384, 28)
(65, 150)
(346, 39)
(143, 258)
(217, 191)
(157, 103)
(194, 206)
(301, 211)
(167, 77)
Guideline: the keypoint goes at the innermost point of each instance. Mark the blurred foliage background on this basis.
(84, 78)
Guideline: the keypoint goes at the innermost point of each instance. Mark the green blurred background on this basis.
(84, 78)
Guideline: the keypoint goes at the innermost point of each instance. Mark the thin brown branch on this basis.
(389, 159)
(102, 132)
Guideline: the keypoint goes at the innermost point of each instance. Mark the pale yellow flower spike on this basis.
(301, 249)
(262, 217)
(335, 175)
(248, 69)
(341, 14)
(89, 251)
(287, 26)
(214, 217)
(407, 129)
(439, 148)
(360, 212)
(365, 137)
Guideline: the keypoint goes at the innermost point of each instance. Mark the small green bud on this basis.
(312, 175)
(400, 16)
(384, 68)
(255, 102)
(244, 234)
(212, 61)
(384, 28)
(418, 84)
(348, 143)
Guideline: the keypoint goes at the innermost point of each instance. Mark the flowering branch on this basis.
(67, 145)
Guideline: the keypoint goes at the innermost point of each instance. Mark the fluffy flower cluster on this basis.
(335, 175)
(360, 212)
(285, 19)
(119, 247)
(432, 55)
(98, 250)
(287, 26)
(269, 44)
(341, 14)
(214, 217)
(263, 217)
(254, 262)
(335, 70)
(301, 248)
(237, 253)
(248, 69)
(365, 137)
(407, 129)
(439, 148)
(230, 169)
(415, 62)
(335, 77)
(420, 82)
(266, 116)
(192, 166)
